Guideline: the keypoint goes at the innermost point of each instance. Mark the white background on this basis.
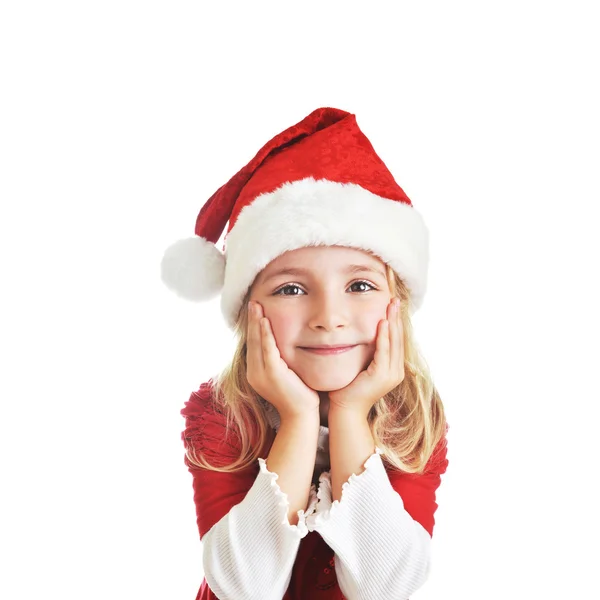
(118, 121)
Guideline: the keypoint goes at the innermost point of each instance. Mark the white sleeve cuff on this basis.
(283, 505)
(380, 550)
(251, 551)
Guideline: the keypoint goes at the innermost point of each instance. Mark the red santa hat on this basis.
(319, 182)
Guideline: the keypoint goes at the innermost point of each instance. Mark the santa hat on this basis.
(319, 182)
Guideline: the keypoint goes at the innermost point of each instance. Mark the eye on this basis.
(289, 286)
(363, 283)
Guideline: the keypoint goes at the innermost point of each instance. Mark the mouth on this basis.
(325, 350)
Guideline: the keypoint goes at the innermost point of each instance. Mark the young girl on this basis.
(316, 454)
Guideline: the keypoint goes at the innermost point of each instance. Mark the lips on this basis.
(325, 350)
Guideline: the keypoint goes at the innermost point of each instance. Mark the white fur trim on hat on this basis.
(313, 212)
(193, 268)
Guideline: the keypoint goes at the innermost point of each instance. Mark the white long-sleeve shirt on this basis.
(380, 550)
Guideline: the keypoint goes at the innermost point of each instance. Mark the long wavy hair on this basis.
(407, 423)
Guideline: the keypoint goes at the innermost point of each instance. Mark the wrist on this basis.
(308, 417)
(346, 413)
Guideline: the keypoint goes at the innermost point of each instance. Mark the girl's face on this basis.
(328, 295)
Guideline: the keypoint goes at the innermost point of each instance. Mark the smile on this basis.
(326, 351)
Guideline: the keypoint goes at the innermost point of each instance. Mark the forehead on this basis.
(320, 259)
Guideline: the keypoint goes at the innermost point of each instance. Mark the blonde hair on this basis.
(407, 423)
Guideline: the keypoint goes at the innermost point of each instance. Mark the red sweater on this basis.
(313, 575)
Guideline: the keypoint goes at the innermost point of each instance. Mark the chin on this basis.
(327, 382)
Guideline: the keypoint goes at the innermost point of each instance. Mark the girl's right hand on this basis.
(268, 373)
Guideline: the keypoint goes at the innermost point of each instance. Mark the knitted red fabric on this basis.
(313, 575)
(326, 144)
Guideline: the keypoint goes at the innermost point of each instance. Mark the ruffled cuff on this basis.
(283, 505)
(325, 508)
(375, 556)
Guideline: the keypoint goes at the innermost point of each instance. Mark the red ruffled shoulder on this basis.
(206, 433)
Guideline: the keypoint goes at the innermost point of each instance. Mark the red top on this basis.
(313, 577)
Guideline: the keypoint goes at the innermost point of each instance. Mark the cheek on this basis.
(284, 328)
(368, 321)
(368, 324)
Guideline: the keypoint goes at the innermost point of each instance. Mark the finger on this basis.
(254, 353)
(400, 341)
(382, 346)
(269, 346)
(395, 337)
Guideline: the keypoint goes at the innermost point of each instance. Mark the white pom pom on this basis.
(193, 268)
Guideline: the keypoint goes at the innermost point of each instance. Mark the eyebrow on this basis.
(298, 271)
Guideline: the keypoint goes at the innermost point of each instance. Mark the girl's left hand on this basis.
(385, 372)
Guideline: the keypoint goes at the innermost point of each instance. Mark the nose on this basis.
(329, 312)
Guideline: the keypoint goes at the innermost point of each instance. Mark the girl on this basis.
(316, 454)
